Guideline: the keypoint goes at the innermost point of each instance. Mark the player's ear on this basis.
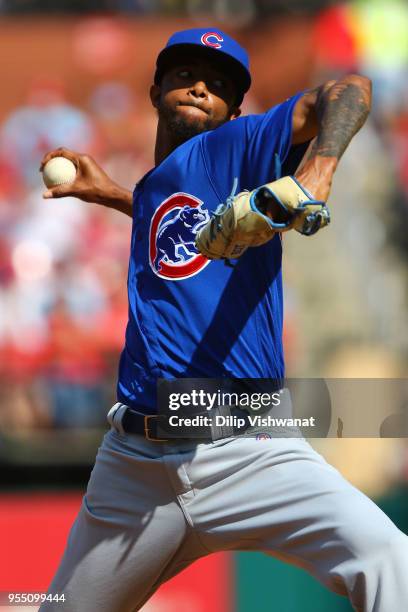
(235, 112)
(155, 92)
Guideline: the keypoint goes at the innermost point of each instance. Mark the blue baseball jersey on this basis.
(188, 316)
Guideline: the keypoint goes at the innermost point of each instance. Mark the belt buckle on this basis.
(146, 428)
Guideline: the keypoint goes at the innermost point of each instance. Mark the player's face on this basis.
(194, 97)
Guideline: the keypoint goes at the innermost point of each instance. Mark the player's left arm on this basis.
(331, 115)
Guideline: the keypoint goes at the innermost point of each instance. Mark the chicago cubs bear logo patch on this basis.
(173, 228)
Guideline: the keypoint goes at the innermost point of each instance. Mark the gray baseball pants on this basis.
(153, 508)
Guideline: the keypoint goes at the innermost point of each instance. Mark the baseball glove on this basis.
(252, 218)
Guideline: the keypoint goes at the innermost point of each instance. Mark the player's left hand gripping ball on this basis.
(253, 218)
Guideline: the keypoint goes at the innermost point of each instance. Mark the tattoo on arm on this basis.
(342, 109)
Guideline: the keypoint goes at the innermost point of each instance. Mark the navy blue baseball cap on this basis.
(227, 54)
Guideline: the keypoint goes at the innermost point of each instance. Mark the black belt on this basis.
(153, 427)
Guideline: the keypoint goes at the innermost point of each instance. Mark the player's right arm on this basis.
(91, 184)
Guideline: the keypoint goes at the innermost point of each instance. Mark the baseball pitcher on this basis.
(205, 302)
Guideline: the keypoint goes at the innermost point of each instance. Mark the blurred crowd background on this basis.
(77, 74)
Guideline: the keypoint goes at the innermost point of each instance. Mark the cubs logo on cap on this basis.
(227, 54)
(212, 39)
(173, 228)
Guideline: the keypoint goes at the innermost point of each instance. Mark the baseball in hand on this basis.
(59, 171)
